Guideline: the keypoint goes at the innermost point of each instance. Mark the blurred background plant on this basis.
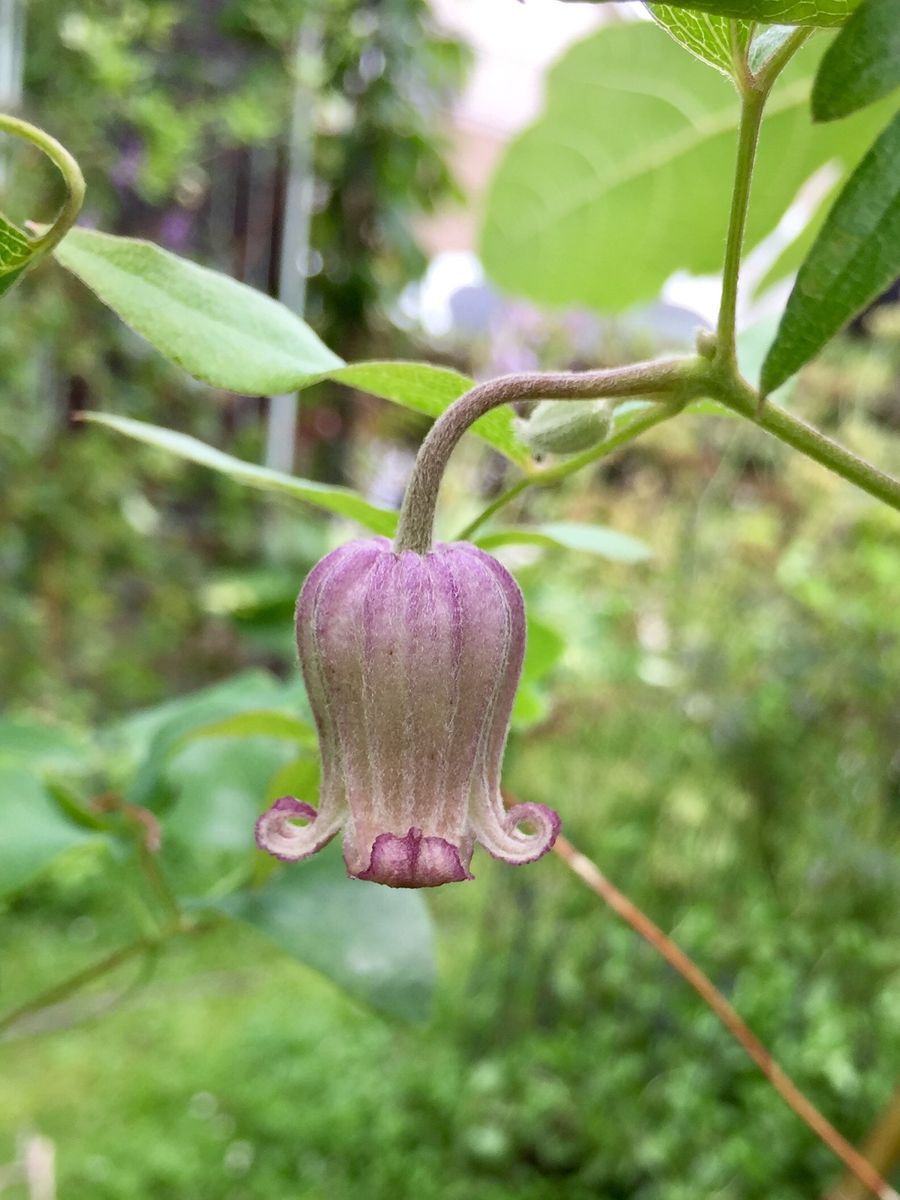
(710, 704)
(181, 126)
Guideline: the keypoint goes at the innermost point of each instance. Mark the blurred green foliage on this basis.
(721, 735)
(717, 726)
(178, 122)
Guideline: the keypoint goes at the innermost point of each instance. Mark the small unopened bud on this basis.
(707, 343)
(565, 426)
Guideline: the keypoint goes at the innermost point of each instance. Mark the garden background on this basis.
(710, 702)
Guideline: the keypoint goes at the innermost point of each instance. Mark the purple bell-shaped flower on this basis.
(411, 663)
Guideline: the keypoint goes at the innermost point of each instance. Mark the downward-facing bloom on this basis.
(411, 662)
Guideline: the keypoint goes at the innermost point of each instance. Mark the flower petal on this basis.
(500, 835)
(277, 833)
(414, 861)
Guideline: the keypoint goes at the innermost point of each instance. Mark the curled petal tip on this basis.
(414, 861)
(277, 834)
(508, 842)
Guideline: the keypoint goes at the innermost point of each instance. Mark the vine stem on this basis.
(754, 91)
(736, 394)
(723, 384)
(590, 874)
(752, 106)
(67, 167)
(671, 378)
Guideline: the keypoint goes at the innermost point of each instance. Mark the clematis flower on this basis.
(411, 662)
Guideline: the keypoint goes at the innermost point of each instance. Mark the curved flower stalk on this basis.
(411, 662)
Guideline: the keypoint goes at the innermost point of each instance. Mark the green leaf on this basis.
(256, 723)
(219, 787)
(41, 747)
(592, 539)
(232, 336)
(770, 12)
(543, 649)
(340, 500)
(431, 390)
(16, 250)
(300, 777)
(132, 738)
(862, 64)
(373, 941)
(855, 256)
(154, 736)
(33, 831)
(705, 35)
(220, 331)
(626, 177)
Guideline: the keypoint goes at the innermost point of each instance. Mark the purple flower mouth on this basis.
(414, 861)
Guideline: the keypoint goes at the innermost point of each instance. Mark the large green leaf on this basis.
(705, 35)
(862, 64)
(626, 177)
(373, 941)
(431, 390)
(855, 256)
(570, 535)
(770, 12)
(33, 831)
(334, 499)
(219, 330)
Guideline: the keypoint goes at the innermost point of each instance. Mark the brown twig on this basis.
(881, 1148)
(590, 874)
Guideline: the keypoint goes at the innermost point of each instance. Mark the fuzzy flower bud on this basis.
(411, 662)
(565, 427)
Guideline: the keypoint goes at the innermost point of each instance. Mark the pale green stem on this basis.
(68, 168)
(752, 106)
(754, 92)
(737, 395)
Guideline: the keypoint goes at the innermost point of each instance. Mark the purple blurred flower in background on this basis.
(411, 663)
(175, 229)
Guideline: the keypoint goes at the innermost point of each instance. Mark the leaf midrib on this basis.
(663, 153)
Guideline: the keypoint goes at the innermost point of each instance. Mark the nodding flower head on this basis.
(411, 662)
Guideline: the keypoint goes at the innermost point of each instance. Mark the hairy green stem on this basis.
(736, 394)
(752, 106)
(68, 168)
(670, 378)
(754, 91)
